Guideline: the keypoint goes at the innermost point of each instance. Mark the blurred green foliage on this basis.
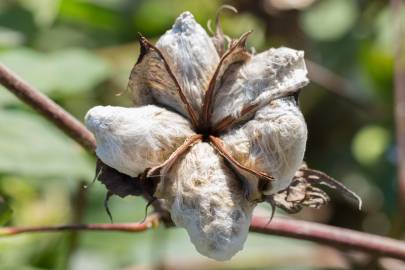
(329, 20)
(5, 212)
(79, 52)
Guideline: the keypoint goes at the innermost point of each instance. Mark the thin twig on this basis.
(151, 222)
(329, 235)
(290, 228)
(323, 234)
(48, 108)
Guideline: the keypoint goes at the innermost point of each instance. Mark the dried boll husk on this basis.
(206, 199)
(131, 140)
(273, 142)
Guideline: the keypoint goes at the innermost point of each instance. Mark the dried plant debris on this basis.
(308, 190)
(214, 131)
(124, 185)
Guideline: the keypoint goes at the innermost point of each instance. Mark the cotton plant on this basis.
(214, 130)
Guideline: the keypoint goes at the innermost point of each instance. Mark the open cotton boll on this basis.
(133, 139)
(207, 200)
(267, 75)
(273, 142)
(191, 55)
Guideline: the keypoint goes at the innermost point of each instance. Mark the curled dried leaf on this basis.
(323, 181)
(307, 190)
(219, 39)
(298, 195)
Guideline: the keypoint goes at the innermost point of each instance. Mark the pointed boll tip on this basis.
(95, 112)
(185, 21)
(90, 118)
(96, 116)
(186, 15)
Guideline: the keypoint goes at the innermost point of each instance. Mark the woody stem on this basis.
(47, 108)
(150, 222)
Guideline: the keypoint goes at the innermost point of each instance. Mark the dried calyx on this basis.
(215, 130)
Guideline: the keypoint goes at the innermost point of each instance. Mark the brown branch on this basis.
(319, 233)
(290, 228)
(151, 222)
(48, 108)
(332, 236)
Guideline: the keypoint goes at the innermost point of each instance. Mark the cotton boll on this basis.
(207, 200)
(273, 142)
(191, 55)
(133, 139)
(265, 76)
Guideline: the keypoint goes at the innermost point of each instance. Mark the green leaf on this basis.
(44, 11)
(329, 19)
(5, 212)
(10, 37)
(65, 72)
(154, 17)
(378, 65)
(384, 31)
(30, 146)
(90, 13)
(77, 70)
(18, 19)
(30, 65)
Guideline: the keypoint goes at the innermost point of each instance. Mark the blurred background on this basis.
(80, 52)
